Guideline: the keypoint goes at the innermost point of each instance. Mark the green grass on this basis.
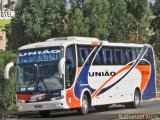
(3, 23)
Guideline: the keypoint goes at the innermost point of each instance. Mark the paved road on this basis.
(148, 110)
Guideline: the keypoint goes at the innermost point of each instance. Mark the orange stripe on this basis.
(71, 99)
(145, 72)
(99, 89)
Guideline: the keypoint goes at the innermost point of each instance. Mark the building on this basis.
(7, 4)
(6, 13)
(2, 41)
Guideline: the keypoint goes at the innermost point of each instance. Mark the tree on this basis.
(76, 25)
(96, 17)
(36, 20)
(10, 5)
(138, 12)
(155, 25)
(118, 24)
(7, 88)
(88, 18)
(116, 20)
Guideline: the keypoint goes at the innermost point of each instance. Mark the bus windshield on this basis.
(37, 69)
(38, 77)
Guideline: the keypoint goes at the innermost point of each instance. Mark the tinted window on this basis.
(149, 56)
(99, 58)
(118, 60)
(70, 55)
(138, 51)
(70, 68)
(107, 53)
(128, 55)
(134, 53)
(83, 53)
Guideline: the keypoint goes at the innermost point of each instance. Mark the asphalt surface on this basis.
(148, 110)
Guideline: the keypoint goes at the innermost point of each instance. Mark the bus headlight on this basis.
(59, 105)
(21, 101)
(19, 107)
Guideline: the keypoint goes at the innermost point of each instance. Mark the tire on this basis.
(83, 110)
(45, 113)
(136, 102)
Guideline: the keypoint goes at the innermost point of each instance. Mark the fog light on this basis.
(19, 107)
(59, 105)
(22, 101)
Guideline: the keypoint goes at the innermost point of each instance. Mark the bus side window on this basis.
(138, 51)
(128, 55)
(149, 56)
(107, 52)
(99, 58)
(123, 56)
(134, 53)
(96, 60)
(70, 68)
(118, 59)
(82, 55)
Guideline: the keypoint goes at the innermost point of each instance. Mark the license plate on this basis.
(38, 106)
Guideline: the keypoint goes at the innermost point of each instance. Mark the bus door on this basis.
(70, 69)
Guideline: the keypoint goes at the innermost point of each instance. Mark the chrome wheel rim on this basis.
(137, 99)
(85, 105)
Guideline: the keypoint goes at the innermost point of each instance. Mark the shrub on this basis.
(7, 89)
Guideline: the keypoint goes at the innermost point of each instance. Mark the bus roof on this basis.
(65, 41)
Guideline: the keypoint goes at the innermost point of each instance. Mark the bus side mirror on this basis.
(7, 69)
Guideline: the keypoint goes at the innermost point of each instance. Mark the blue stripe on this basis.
(150, 90)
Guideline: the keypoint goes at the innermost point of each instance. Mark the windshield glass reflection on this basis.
(38, 77)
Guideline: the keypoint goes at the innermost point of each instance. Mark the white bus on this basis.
(80, 72)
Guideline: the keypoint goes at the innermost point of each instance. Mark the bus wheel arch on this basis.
(89, 97)
(136, 100)
(85, 103)
(138, 90)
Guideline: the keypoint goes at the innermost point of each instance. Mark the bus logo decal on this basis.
(38, 52)
(106, 73)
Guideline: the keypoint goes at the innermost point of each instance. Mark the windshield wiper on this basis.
(37, 78)
(44, 84)
(40, 79)
(34, 77)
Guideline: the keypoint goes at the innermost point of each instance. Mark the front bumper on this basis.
(38, 106)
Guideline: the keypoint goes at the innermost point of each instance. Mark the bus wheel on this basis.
(136, 102)
(45, 113)
(83, 110)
